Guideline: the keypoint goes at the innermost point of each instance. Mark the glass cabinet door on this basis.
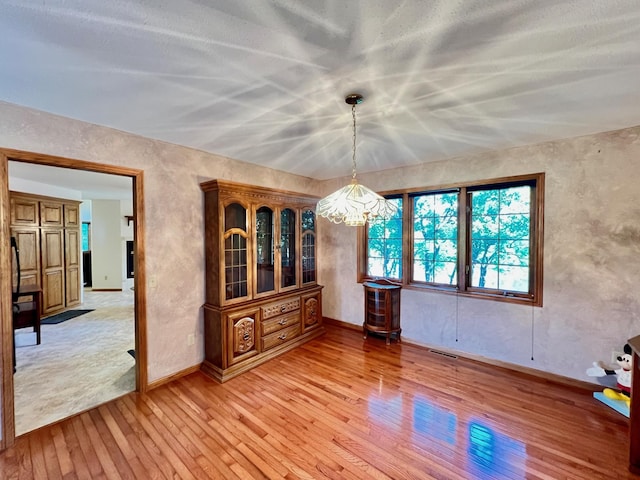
(308, 246)
(264, 250)
(287, 248)
(235, 251)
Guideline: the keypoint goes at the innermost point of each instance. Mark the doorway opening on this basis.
(74, 170)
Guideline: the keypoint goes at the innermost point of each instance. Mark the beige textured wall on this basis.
(173, 215)
(591, 259)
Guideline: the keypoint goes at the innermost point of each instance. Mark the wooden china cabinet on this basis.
(262, 296)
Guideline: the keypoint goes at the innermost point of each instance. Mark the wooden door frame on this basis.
(6, 323)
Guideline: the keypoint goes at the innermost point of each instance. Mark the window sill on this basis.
(509, 298)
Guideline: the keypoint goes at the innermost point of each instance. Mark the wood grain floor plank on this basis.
(146, 450)
(117, 450)
(80, 465)
(144, 418)
(86, 446)
(135, 451)
(342, 408)
(9, 464)
(319, 417)
(309, 444)
(50, 454)
(210, 440)
(37, 455)
(188, 447)
(278, 437)
(363, 436)
(238, 429)
(102, 452)
(320, 433)
(23, 456)
(126, 459)
(62, 451)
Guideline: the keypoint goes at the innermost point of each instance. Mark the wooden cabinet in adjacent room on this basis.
(262, 296)
(51, 213)
(25, 211)
(47, 232)
(52, 262)
(72, 271)
(28, 241)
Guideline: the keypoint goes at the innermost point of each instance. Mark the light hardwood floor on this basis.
(80, 363)
(341, 408)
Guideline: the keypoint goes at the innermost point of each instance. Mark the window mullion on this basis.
(464, 230)
(407, 239)
(533, 242)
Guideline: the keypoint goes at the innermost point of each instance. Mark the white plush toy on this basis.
(623, 376)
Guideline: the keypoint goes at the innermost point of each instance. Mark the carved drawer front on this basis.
(280, 337)
(278, 323)
(278, 308)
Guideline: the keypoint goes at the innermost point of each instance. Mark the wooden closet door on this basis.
(53, 269)
(72, 266)
(51, 214)
(28, 241)
(71, 215)
(24, 211)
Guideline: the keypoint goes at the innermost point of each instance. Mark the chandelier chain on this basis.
(354, 204)
(353, 114)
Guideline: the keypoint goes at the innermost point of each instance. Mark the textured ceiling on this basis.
(264, 81)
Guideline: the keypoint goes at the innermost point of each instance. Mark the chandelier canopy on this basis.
(354, 204)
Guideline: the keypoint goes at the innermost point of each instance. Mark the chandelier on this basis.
(354, 204)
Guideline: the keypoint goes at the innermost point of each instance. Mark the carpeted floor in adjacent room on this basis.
(79, 364)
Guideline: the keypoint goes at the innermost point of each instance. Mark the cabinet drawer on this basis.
(278, 323)
(283, 306)
(280, 337)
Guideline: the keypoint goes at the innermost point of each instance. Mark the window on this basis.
(384, 245)
(435, 238)
(500, 233)
(482, 239)
(86, 236)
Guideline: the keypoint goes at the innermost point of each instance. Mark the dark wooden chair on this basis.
(25, 300)
(26, 314)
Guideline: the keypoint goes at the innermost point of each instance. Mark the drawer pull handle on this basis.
(283, 308)
(283, 322)
(283, 336)
(246, 337)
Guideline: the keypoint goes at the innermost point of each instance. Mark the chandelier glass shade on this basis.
(354, 204)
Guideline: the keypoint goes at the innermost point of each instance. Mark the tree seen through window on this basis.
(385, 245)
(482, 239)
(435, 238)
(500, 238)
